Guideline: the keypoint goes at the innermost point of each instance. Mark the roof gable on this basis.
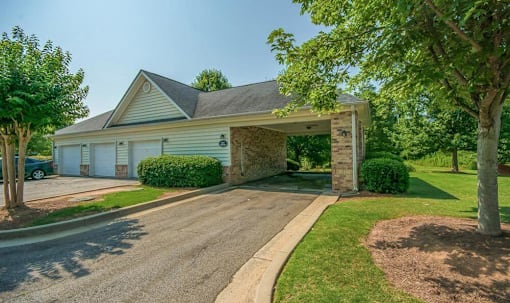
(145, 102)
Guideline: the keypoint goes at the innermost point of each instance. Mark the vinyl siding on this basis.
(55, 154)
(85, 154)
(151, 106)
(203, 142)
(200, 140)
(122, 153)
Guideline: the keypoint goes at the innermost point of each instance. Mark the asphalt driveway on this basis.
(185, 253)
(56, 186)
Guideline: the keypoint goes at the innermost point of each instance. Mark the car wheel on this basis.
(38, 174)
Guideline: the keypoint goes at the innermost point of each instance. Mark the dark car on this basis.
(35, 169)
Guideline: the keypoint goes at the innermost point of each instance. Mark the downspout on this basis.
(354, 150)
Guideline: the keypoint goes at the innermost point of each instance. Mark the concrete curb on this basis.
(255, 280)
(96, 218)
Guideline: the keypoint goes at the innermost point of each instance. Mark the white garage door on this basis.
(140, 150)
(70, 160)
(103, 160)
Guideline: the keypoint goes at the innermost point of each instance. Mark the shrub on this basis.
(385, 175)
(292, 165)
(180, 171)
(467, 159)
(385, 155)
(410, 168)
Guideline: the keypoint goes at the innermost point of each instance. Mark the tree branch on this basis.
(454, 27)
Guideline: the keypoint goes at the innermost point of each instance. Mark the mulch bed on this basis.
(504, 170)
(440, 259)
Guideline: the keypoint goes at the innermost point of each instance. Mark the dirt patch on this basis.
(23, 216)
(441, 259)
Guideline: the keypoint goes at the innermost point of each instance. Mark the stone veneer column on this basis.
(341, 152)
(84, 170)
(121, 171)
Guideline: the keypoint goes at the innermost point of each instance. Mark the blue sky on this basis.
(113, 40)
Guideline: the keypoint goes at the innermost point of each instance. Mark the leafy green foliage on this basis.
(40, 145)
(38, 93)
(309, 151)
(210, 80)
(180, 171)
(467, 160)
(292, 165)
(504, 137)
(384, 155)
(382, 175)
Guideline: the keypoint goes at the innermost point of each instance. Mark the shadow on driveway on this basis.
(57, 259)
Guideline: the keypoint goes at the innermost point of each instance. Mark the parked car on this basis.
(35, 169)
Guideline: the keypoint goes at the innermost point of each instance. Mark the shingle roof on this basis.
(251, 98)
(257, 97)
(94, 123)
(184, 96)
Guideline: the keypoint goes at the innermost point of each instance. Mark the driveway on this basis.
(185, 253)
(56, 186)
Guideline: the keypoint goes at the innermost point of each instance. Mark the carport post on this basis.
(354, 150)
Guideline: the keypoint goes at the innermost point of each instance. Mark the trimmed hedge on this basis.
(180, 171)
(292, 165)
(385, 175)
(384, 155)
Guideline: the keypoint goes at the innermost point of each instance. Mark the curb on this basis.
(96, 218)
(256, 279)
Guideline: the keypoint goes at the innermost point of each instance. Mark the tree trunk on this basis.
(487, 162)
(23, 138)
(11, 171)
(455, 160)
(7, 198)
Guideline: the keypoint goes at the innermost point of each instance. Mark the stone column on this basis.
(341, 152)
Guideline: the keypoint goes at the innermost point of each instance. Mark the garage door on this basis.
(103, 160)
(70, 157)
(140, 150)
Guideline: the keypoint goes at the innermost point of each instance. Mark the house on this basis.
(158, 115)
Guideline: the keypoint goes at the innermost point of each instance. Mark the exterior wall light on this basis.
(165, 139)
(344, 133)
(121, 143)
(222, 136)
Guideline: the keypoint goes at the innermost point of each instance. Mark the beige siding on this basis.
(200, 140)
(122, 153)
(85, 154)
(149, 106)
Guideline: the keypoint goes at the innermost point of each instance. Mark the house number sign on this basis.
(223, 143)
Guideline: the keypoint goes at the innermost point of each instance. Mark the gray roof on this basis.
(184, 96)
(251, 98)
(94, 123)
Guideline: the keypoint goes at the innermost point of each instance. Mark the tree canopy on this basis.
(456, 51)
(210, 80)
(38, 93)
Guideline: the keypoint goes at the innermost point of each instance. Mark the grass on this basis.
(332, 265)
(111, 201)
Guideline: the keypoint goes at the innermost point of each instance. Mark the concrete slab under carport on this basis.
(294, 181)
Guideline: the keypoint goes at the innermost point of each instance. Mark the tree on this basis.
(458, 51)
(39, 144)
(210, 80)
(38, 93)
(504, 138)
(316, 149)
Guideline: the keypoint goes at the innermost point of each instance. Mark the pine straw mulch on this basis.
(441, 259)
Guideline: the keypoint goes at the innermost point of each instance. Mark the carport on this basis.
(259, 150)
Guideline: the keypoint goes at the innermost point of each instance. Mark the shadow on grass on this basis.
(421, 189)
(504, 213)
(66, 257)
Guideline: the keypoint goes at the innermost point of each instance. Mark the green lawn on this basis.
(111, 201)
(331, 264)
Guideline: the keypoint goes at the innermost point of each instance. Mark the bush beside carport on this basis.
(180, 171)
